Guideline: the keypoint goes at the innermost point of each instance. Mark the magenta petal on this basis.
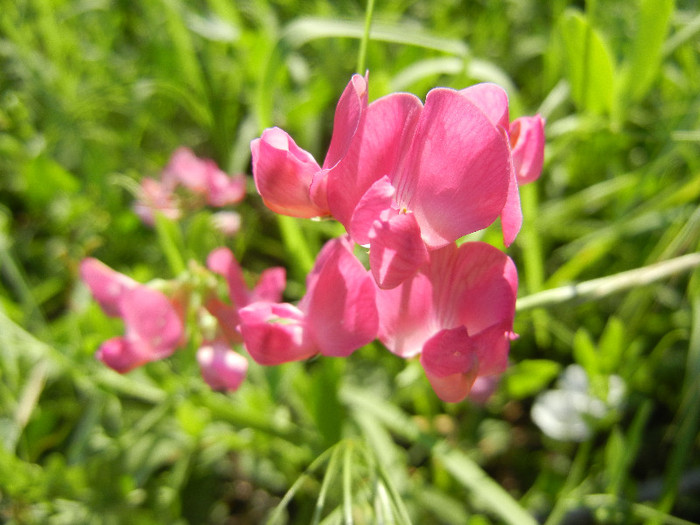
(223, 189)
(107, 286)
(222, 368)
(340, 305)
(492, 100)
(227, 317)
(377, 199)
(456, 176)
(376, 152)
(396, 250)
(527, 143)
(451, 363)
(151, 319)
(122, 356)
(187, 169)
(492, 347)
(275, 333)
(283, 173)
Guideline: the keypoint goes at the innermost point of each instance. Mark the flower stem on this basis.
(362, 55)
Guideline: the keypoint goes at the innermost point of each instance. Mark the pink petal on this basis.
(270, 286)
(227, 222)
(375, 152)
(107, 286)
(512, 214)
(406, 320)
(187, 169)
(492, 346)
(151, 320)
(377, 199)
(492, 100)
(121, 355)
(451, 364)
(222, 261)
(275, 333)
(483, 388)
(527, 143)
(222, 368)
(455, 178)
(223, 189)
(396, 250)
(283, 173)
(155, 197)
(340, 306)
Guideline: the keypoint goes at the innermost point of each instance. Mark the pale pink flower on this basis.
(222, 368)
(337, 315)
(156, 197)
(227, 222)
(154, 327)
(456, 313)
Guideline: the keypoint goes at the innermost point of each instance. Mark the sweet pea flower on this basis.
(288, 178)
(456, 313)
(268, 289)
(155, 196)
(154, 327)
(336, 316)
(222, 368)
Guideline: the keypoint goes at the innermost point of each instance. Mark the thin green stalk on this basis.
(170, 241)
(362, 55)
(604, 286)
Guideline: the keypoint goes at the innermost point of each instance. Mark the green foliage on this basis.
(94, 96)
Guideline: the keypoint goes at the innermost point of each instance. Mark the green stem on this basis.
(362, 56)
(604, 286)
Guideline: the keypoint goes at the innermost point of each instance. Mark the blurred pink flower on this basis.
(457, 313)
(337, 315)
(222, 368)
(268, 289)
(154, 327)
(155, 196)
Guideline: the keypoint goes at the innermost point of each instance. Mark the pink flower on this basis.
(268, 289)
(337, 315)
(154, 327)
(526, 136)
(155, 196)
(457, 313)
(203, 177)
(289, 179)
(222, 368)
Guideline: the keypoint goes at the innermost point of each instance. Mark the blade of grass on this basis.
(331, 471)
(347, 482)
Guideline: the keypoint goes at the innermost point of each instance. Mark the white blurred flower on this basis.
(567, 412)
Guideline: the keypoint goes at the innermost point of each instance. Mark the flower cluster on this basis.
(407, 180)
(202, 181)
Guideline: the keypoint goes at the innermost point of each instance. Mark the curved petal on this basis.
(396, 250)
(376, 151)
(222, 261)
(152, 319)
(456, 176)
(122, 356)
(492, 99)
(527, 143)
(377, 199)
(107, 286)
(451, 364)
(222, 368)
(340, 307)
(406, 320)
(283, 173)
(512, 214)
(275, 333)
(270, 286)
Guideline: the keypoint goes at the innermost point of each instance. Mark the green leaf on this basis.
(611, 346)
(644, 64)
(530, 376)
(46, 180)
(586, 353)
(589, 64)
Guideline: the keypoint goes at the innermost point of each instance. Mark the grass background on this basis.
(95, 95)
